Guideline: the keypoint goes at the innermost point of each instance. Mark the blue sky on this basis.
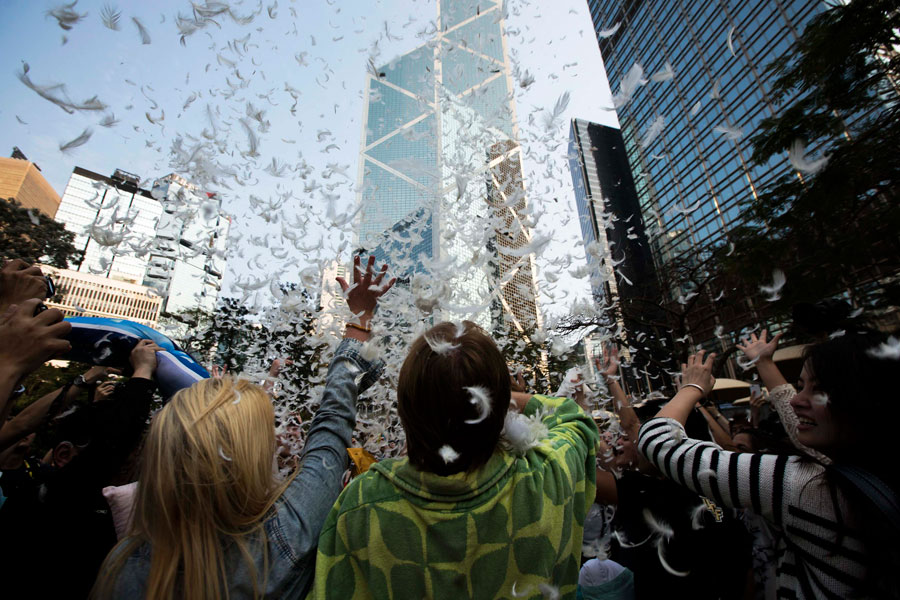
(314, 50)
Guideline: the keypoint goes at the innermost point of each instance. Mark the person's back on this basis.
(462, 516)
(210, 518)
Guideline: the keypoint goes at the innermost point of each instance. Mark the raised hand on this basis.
(609, 366)
(27, 339)
(756, 348)
(362, 297)
(20, 281)
(698, 372)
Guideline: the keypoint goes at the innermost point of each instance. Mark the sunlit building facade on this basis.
(22, 180)
(688, 115)
(170, 240)
(186, 257)
(87, 295)
(440, 159)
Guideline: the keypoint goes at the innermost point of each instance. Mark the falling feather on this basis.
(729, 132)
(551, 119)
(65, 15)
(79, 141)
(799, 160)
(605, 33)
(659, 123)
(730, 41)
(888, 350)
(665, 74)
(110, 16)
(145, 36)
(774, 290)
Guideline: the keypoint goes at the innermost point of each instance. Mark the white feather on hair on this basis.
(460, 329)
(481, 398)
(448, 454)
(440, 346)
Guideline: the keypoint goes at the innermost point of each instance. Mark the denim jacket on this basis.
(292, 526)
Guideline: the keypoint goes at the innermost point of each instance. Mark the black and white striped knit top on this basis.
(789, 492)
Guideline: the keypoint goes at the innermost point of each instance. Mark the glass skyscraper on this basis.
(441, 185)
(690, 88)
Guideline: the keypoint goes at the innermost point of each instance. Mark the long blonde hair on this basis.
(206, 479)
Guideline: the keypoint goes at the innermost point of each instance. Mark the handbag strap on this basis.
(877, 491)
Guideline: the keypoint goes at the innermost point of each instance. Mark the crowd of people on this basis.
(499, 492)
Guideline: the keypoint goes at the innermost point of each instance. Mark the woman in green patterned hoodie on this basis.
(465, 515)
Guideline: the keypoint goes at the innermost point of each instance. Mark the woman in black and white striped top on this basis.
(831, 541)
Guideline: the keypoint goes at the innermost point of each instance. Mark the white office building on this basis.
(170, 239)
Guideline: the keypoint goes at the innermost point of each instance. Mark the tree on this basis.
(31, 235)
(837, 223)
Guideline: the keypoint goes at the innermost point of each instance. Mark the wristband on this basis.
(360, 327)
(702, 391)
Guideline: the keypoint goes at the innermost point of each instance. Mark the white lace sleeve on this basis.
(780, 399)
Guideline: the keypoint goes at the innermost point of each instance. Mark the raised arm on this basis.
(609, 369)
(760, 351)
(324, 459)
(28, 337)
(696, 382)
(780, 391)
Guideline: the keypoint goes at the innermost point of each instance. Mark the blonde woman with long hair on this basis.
(211, 519)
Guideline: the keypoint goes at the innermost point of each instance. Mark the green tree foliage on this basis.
(31, 235)
(246, 343)
(835, 230)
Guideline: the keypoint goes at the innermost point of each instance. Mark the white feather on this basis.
(440, 346)
(774, 290)
(664, 74)
(482, 401)
(799, 160)
(665, 565)
(448, 454)
(697, 516)
(521, 433)
(730, 41)
(626, 544)
(888, 350)
(460, 329)
(551, 592)
(653, 131)
(659, 527)
(609, 32)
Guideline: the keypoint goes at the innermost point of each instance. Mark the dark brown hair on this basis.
(434, 404)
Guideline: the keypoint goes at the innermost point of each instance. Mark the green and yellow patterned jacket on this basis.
(513, 524)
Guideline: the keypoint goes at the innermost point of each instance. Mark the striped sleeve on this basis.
(756, 481)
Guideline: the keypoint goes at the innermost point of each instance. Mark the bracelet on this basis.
(702, 391)
(360, 327)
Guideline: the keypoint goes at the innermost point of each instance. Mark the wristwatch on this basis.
(80, 381)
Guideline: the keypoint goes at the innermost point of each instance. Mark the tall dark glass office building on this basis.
(689, 84)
